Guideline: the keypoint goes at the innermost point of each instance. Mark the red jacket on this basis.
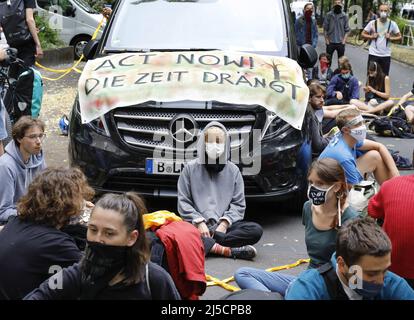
(394, 203)
(185, 257)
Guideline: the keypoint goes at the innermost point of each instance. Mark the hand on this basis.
(106, 12)
(387, 35)
(89, 204)
(370, 89)
(39, 51)
(374, 35)
(222, 227)
(202, 227)
(3, 55)
(339, 95)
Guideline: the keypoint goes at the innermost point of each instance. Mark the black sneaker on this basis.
(246, 252)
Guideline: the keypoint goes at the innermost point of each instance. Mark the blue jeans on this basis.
(252, 278)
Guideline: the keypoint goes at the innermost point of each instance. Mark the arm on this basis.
(366, 33)
(237, 206)
(395, 34)
(331, 112)
(7, 191)
(326, 28)
(384, 95)
(354, 90)
(319, 143)
(330, 91)
(185, 202)
(375, 207)
(32, 27)
(405, 98)
(315, 34)
(385, 155)
(346, 29)
(64, 285)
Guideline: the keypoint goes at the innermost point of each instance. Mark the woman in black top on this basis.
(377, 91)
(116, 263)
(32, 246)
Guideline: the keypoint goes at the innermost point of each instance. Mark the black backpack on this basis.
(13, 22)
(332, 282)
(392, 127)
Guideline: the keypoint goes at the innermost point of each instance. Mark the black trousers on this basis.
(240, 233)
(338, 47)
(384, 62)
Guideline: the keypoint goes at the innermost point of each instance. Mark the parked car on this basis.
(75, 21)
(116, 150)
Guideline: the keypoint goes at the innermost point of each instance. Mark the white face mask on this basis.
(319, 114)
(214, 150)
(359, 133)
(383, 15)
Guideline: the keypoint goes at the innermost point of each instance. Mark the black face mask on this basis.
(100, 265)
(337, 9)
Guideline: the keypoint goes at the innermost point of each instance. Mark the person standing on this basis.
(30, 48)
(381, 32)
(336, 29)
(305, 28)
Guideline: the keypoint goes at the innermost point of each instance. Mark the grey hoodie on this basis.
(15, 177)
(211, 197)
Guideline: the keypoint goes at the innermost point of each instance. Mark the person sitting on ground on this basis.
(377, 91)
(322, 216)
(341, 61)
(322, 71)
(394, 205)
(32, 244)
(357, 271)
(408, 108)
(343, 87)
(357, 155)
(22, 161)
(116, 263)
(211, 196)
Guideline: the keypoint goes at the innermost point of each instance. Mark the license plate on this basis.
(163, 167)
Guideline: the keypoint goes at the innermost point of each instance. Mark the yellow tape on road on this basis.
(68, 70)
(211, 281)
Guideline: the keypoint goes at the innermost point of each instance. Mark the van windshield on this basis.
(241, 25)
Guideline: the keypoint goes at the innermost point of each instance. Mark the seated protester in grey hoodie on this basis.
(211, 197)
(22, 161)
(33, 244)
(357, 271)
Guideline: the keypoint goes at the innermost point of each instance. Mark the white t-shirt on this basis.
(379, 47)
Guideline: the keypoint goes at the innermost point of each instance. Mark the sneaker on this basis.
(246, 252)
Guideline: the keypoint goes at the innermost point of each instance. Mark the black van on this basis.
(116, 151)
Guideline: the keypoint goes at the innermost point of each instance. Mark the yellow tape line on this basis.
(68, 70)
(211, 281)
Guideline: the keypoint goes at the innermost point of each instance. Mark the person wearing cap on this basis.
(357, 155)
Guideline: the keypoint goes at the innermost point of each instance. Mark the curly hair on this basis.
(54, 196)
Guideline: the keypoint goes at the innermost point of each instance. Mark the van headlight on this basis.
(99, 125)
(275, 126)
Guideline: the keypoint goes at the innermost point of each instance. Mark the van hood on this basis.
(128, 79)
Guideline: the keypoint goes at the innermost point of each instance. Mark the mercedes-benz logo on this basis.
(183, 128)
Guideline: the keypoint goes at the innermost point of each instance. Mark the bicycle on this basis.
(357, 39)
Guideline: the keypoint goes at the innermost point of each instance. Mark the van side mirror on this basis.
(70, 11)
(307, 56)
(90, 49)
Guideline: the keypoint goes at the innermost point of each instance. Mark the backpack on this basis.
(27, 95)
(334, 286)
(375, 30)
(392, 127)
(13, 22)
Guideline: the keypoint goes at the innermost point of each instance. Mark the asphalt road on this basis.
(283, 239)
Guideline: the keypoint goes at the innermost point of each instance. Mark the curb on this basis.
(57, 56)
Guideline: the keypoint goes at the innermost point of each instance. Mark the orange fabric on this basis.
(185, 257)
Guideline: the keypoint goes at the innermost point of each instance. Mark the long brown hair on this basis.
(54, 196)
(132, 207)
(378, 83)
(330, 171)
